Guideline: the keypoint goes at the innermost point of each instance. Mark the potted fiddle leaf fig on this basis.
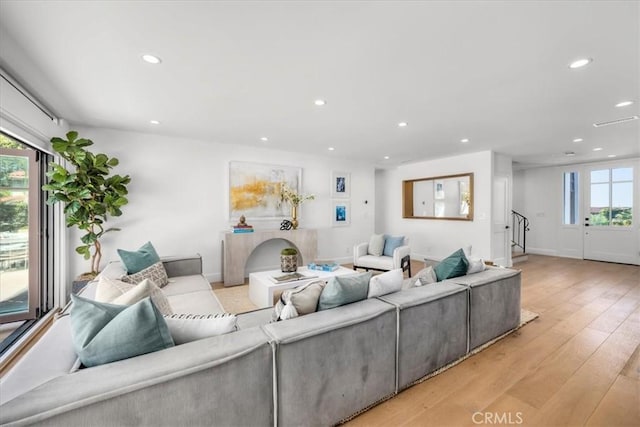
(89, 192)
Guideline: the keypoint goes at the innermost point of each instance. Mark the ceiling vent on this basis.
(615, 122)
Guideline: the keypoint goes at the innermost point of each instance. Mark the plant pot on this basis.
(77, 285)
(289, 263)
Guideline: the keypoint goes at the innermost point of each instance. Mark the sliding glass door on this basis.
(19, 231)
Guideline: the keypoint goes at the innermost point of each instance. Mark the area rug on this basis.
(235, 299)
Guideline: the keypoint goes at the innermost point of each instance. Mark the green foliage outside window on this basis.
(619, 217)
(14, 213)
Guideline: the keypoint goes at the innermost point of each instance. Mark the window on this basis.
(570, 197)
(611, 197)
(21, 212)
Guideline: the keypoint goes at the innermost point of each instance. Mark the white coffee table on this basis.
(262, 287)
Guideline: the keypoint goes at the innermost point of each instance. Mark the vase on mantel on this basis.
(289, 260)
(294, 217)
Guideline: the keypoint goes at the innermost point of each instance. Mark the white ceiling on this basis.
(232, 72)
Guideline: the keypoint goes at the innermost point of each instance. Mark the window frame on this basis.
(34, 215)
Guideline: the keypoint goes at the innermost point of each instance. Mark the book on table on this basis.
(242, 229)
(291, 277)
(323, 265)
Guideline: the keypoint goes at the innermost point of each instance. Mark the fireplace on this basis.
(237, 247)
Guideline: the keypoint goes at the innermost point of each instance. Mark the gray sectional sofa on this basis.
(317, 369)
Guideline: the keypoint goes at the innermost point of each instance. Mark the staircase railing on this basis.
(520, 226)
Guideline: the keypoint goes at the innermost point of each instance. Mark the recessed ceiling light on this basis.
(386, 157)
(320, 102)
(464, 140)
(330, 148)
(597, 149)
(569, 153)
(624, 103)
(611, 155)
(154, 122)
(151, 59)
(580, 63)
(264, 138)
(578, 140)
(403, 124)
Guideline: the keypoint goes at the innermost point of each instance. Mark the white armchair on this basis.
(400, 258)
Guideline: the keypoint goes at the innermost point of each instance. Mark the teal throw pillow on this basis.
(135, 261)
(454, 265)
(343, 290)
(103, 333)
(391, 243)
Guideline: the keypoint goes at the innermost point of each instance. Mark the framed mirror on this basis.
(439, 197)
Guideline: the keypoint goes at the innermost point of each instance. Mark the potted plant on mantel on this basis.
(289, 260)
(88, 192)
(295, 200)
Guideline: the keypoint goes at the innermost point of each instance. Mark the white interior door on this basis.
(501, 226)
(610, 229)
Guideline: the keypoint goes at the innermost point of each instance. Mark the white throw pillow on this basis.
(467, 251)
(425, 276)
(476, 265)
(191, 327)
(385, 283)
(376, 245)
(144, 289)
(109, 289)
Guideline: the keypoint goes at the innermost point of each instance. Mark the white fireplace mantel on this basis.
(237, 247)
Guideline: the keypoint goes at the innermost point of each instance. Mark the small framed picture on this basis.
(341, 213)
(340, 185)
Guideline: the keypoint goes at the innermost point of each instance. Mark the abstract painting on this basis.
(254, 190)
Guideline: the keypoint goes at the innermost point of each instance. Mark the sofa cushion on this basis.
(198, 302)
(376, 245)
(156, 273)
(476, 265)
(341, 290)
(376, 262)
(299, 301)
(452, 266)
(385, 283)
(391, 243)
(51, 356)
(104, 333)
(122, 293)
(144, 289)
(135, 261)
(191, 327)
(425, 276)
(108, 289)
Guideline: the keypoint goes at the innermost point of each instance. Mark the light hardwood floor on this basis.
(577, 364)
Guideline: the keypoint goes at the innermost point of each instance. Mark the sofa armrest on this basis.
(399, 253)
(159, 388)
(359, 250)
(182, 265)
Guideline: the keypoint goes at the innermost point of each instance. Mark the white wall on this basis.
(542, 203)
(178, 199)
(517, 200)
(432, 237)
